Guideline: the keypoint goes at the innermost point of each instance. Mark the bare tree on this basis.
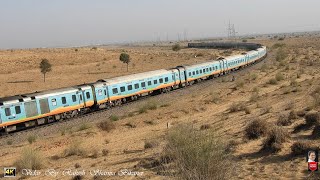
(45, 67)
(125, 58)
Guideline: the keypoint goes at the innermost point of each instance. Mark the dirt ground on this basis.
(207, 104)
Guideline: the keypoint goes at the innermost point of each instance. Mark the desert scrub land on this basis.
(260, 125)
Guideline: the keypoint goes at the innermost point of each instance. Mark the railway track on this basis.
(199, 85)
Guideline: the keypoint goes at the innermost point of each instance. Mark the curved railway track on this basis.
(200, 85)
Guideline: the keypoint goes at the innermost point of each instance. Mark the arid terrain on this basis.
(280, 91)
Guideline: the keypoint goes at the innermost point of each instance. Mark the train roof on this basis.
(41, 94)
(137, 76)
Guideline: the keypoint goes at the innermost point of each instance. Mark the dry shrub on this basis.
(301, 113)
(279, 77)
(272, 81)
(293, 115)
(31, 139)
(301, 148)
(256, 128)
(254, 97)
(150, 144)
(205, 126)
(312, 118)
(247, 110)
(275, 138)
(130, 125)
(237, 107)
(284, 120)
(30, 159)
(106, 125)
(316, 132)
(289, 105)
(197, 155)
(74, 149)
(266, 110)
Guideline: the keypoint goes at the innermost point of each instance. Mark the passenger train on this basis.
(26, 110)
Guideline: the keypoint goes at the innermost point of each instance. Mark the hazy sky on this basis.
(51, 23)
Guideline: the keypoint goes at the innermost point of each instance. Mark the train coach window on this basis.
(18, 109)
(100, 92)
(210, 68)
(200, 71)
(197, 72)
(193, 73)
(54, 102)
(8, 112)
(115, 91)
(122, 89)
(74, 98)
(204, 70)
(63, 99)
(143, 84)
(189, 73)
(155, 82)
(207, 69)
(130, 87)
(88, 95)
(160, 80)
(149, 83)
(166, 79)
(105, 92)
(216, 67)
(136, 86)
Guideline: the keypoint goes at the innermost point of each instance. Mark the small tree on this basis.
(125, 58)
(45, 67)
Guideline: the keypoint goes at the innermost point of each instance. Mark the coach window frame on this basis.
(88, 95)
(74, 98)
(136, 86)
(7, 111)
(115, 90)
(17, 109)
(63, 100)
(122, 89)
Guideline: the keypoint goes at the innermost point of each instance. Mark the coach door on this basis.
(31, 108)
(44, 106)
(81, 98)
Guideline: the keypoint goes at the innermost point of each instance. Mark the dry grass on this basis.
(148, 144)
(316, 132)
(312, 118)
(237, 107)
(106, 125)
(31, 139)
(275, 138)
(114, 118)
(205, 126)
(74, 149)
(283, 120)
(30, 159)
(197, 155)
(256, 129)
(301, 148)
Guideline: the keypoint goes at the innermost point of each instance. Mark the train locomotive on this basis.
(26, 110)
